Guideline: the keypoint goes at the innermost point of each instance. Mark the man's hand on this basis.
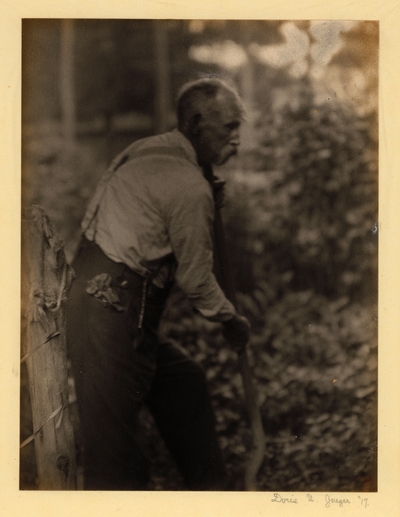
(237, 332)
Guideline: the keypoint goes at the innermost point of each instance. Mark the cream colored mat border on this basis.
(386, 503)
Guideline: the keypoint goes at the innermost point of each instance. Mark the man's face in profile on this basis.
(218, 131)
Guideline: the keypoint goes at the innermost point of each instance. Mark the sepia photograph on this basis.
(199, 259)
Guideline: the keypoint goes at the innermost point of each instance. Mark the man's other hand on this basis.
(237, 332)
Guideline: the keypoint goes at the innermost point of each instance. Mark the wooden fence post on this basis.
(46, 279)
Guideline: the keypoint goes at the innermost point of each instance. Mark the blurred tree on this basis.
(114, 67)
(66, 81)
(40, 53)
(163, 78)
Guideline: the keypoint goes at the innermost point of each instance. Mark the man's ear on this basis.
(194, 124)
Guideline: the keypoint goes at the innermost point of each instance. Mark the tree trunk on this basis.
(163, 90)
(46, 279)
(66, 81)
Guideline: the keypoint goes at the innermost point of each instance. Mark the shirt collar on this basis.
(180, 140)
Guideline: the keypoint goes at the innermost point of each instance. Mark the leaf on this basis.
(364, 392)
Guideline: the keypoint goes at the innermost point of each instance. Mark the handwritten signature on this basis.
(328, 500)
(279, 499)
(333, 500)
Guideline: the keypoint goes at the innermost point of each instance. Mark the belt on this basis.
(92, 261)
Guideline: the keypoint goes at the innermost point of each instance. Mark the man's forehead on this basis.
(225, 104)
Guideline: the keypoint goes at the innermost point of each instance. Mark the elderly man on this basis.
(148, 225)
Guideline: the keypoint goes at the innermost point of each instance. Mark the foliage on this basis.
(310, 210)
(61, 179)
(315, 367)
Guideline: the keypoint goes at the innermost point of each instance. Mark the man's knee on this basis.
(175, 365)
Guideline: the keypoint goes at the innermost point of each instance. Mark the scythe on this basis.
(225, 279)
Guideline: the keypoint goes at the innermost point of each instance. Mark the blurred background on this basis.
(301, 216)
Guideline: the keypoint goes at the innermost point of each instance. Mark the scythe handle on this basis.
(225, 279)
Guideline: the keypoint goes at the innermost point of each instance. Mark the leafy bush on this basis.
(307, 208)
(301, 224)
(315, 367)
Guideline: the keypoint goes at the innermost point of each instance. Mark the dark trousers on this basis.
(118, 367)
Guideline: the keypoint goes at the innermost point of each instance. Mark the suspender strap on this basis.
(129, 154)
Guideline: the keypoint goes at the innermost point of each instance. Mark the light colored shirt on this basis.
(153, 210)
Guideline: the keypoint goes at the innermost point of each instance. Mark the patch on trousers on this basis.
(100, 287)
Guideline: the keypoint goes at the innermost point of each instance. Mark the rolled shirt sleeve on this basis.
(190, 219)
